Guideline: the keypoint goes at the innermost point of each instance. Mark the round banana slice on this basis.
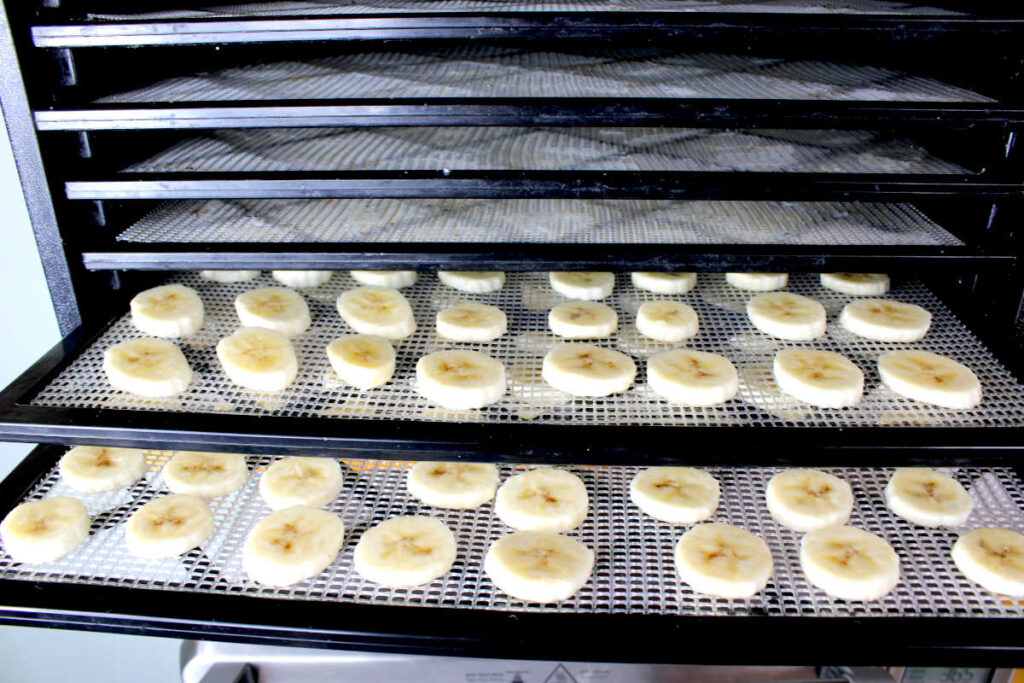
(302, 278)
(168, 526)
(312, 482)
(45, 530)
(692, 378)
(588, 286)
(453, 485)
(930, 378)
(884, 320)
(664, 283)
(274, 308)
(292, 545)
(667, 321)
(723, 560)
(583, 320)
(207, 475)
(856, 284)
(473, 281)
(849, 563)
(821, 378)
(405, 551)
(167, 311)
(259, 359)
(806, 500)
(362, 360)
(677, 495)
(588, 370)
(545, 499)
(757, 282)
(394, 279)
(471, 322)
(460, 380)
(379, 311)
(992, 558)
(787, 316)
(97, 468)
(229, 275)
(147, 367)
(928, 498)
(538, 566)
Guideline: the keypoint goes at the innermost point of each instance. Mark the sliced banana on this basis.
(168, 526)
(229, 275)
(692, 378)
(588, 286)
(312, 482)
(405, 551)
(147, 367)
(849, 563)
(930, 378)
(97, 468)
(460, 380)
(453, 485)
(856, 284)
(167, 311)
(471, 322)
(362, 360)
(259, 359)
(394, 279)
(664, 283)
(539, 566)
(45, 530)
(302, 278)
(992, 558)
(787, 316)
(379, 311)
(667, 321)
(473, 281)
(723, 560)
(583, 320)
(292, 545)
(805, 500)
(207, 475)
(884, 320)
(545, 499)
(588, 370)
(821, 378)
(757, 282)
(274, 308)
(927, 497)
(678, 495)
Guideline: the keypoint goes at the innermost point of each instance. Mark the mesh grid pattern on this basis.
(633, 573)
(526, 299)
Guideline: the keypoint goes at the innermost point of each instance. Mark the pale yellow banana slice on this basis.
(678, 495)
(453, 485)
(405, 551)
(992, 558)
(757, 282)
(588, 370)
(588, 286)
(545, 499)
(460, 380)
(849, 563)
(362, 360)
(147, 367)
(805, 500)
(167, 311)
(45, 530)
(207, 475)
(692, 378)
(856, 284)
(229, 275)
(664, 283)
(259, 359)
(97, 468)
(723, 560)
(274, 308)
(884, 320)
(292, 545)
(168, 526)
(667, 321)
(473, 281)
(930, 378)
(394, 279)
(539, 566)
(787, 316)
(928, 498)
(302, 278)
(821, 378)
(380, 311)
(313, 482)
(583, 320)
(471, 322)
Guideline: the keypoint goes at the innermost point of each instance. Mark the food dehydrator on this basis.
(525, 136)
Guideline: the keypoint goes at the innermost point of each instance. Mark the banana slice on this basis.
(677, 495)
(453, 485)
(588, 286)
(538, 566)
(930, 378)
(583, 320)
(302, 278)
(312, 482)
(259, 359)
(757, 282)
(588, 370)
(927, 497)
(471, 322)
(545, 499)
(405, 551)
(147, 367)
(229, 275)
(856, 284)
(849, 563)
(787, 316)
(692, 378)
(207, 475)
(168, 526)
(97, 468)
(884, 320)
(274, 308)
(806, 500)
(821, 378)
(379, 311)
(992, 558)
(460, 380)
(394, 279)
(362, 360)
(292, 545)
(667, 321)
(723, 560)
(473, 281)
(167, 311)
(45, 530)
(664, 283)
